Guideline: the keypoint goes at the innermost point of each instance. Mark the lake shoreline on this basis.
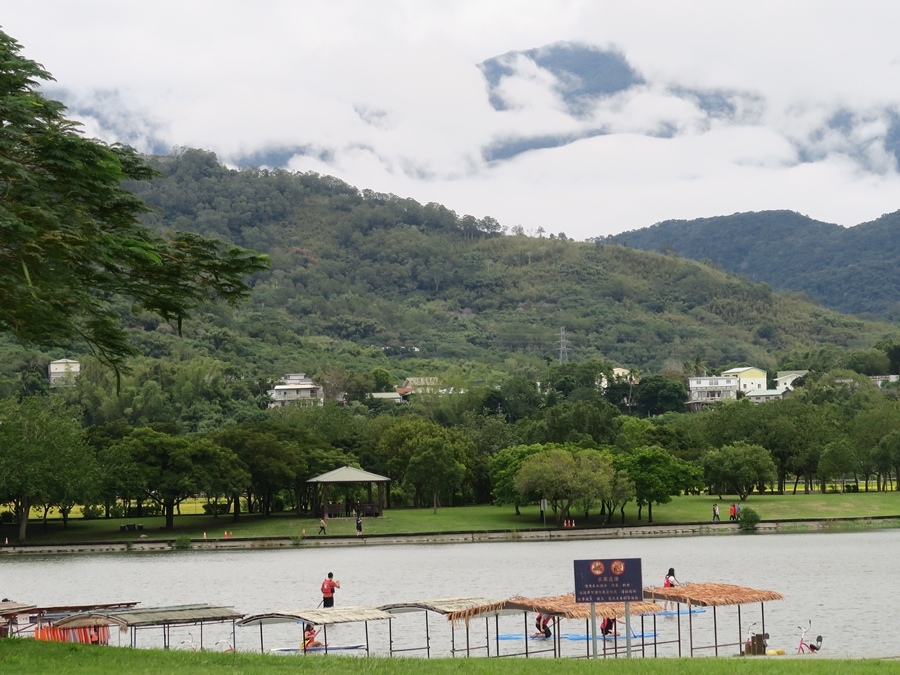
(179, 542)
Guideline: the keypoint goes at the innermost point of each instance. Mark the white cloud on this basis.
(392, 90)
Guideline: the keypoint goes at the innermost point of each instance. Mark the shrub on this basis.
(91, 512)
(217, 509)
(748, 520)
(117, 511)
(7, 517)
(182, 543)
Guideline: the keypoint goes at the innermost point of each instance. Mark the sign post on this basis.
(544, 511)
(609, 580)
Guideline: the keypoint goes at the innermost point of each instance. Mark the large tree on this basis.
(44, 458)
(73, 253)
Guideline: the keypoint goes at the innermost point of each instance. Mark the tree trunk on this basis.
(649, 512)
(24, 510)
(237, 508)
(435, 496)
(169, 509)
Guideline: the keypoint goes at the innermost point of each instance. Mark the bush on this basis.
(217, 509)
(182, 543)
(7, 517)
(117, 511)
(748, 519)
(91, 512)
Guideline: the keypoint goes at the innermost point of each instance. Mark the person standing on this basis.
(328, 587)
(322, 526)
(716, 512)
(732, 512)
(737, 512)
(358, 525)
(669, 582)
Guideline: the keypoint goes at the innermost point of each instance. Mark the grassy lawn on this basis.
(458, 519)
(28, 656)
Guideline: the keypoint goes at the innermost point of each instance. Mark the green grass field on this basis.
(28, 656)
(457, 519)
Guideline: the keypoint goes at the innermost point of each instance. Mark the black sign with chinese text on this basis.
(609, 580)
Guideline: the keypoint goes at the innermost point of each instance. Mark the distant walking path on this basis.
(632, 531)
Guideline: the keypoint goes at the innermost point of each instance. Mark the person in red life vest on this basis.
(542, 623)
(309, 637)
(608, 626)
(669, 582)
(328, 587)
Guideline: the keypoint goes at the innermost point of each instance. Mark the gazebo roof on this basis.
(349, 474)
(711, 595)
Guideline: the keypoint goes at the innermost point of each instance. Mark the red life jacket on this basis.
(667, 583)
(328, 588)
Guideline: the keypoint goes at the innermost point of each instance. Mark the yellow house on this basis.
(749, 378)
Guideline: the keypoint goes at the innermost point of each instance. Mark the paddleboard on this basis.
(620, 638)
(295, 650)
(674, 612)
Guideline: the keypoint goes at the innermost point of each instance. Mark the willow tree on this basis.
(73, 252)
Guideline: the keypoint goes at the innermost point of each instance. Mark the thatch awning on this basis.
(150, 616)
(319, 617)
(441, 606)
(562, 606)
(711, 595)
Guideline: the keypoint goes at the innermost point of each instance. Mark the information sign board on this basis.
(609, 580)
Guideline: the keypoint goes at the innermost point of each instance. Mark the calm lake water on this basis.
(843, 583)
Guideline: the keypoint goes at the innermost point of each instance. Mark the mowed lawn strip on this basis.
(684, 509)
(29, 656)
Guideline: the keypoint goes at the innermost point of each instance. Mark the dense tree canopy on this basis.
(72, 251)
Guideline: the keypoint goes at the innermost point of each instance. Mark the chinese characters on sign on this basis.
(609, 580)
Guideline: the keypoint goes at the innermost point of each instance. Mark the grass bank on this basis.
(685, 509)
(28, 656)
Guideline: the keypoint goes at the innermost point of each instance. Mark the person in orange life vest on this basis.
(542, 623)
(309, 637)
(328, 587)
(732, 512)
(94, 636)
(608, 626)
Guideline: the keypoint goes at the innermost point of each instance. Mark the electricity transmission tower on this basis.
(563, 346)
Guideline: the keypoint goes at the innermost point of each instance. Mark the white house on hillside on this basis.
(63, 372)
(784, 379)
(708, 389)
(296, 388)
(749, 378)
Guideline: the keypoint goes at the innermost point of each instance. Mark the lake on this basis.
(841, 582)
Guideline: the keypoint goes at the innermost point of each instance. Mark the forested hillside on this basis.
(422, 283)
(363, 281)
(851, 270)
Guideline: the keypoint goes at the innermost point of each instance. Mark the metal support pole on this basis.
(427, 637)
(715, 632)
(262, 649)
(594, 630)
(628, 628)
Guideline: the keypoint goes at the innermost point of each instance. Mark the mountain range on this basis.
(850, 270)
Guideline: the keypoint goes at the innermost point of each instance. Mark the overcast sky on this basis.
(588, 118)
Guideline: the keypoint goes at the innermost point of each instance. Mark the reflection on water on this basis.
(825, 578)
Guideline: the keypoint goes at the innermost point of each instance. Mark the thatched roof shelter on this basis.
(326, 616)
(711, 595)
(442, 606)
(134, 618)
(561, 606)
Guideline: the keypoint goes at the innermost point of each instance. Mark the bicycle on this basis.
(808, 647)
(189, 642)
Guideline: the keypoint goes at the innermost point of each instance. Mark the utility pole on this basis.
(563, 346)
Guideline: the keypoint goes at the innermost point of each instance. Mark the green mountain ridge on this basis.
(422, 285)
(850, 270)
